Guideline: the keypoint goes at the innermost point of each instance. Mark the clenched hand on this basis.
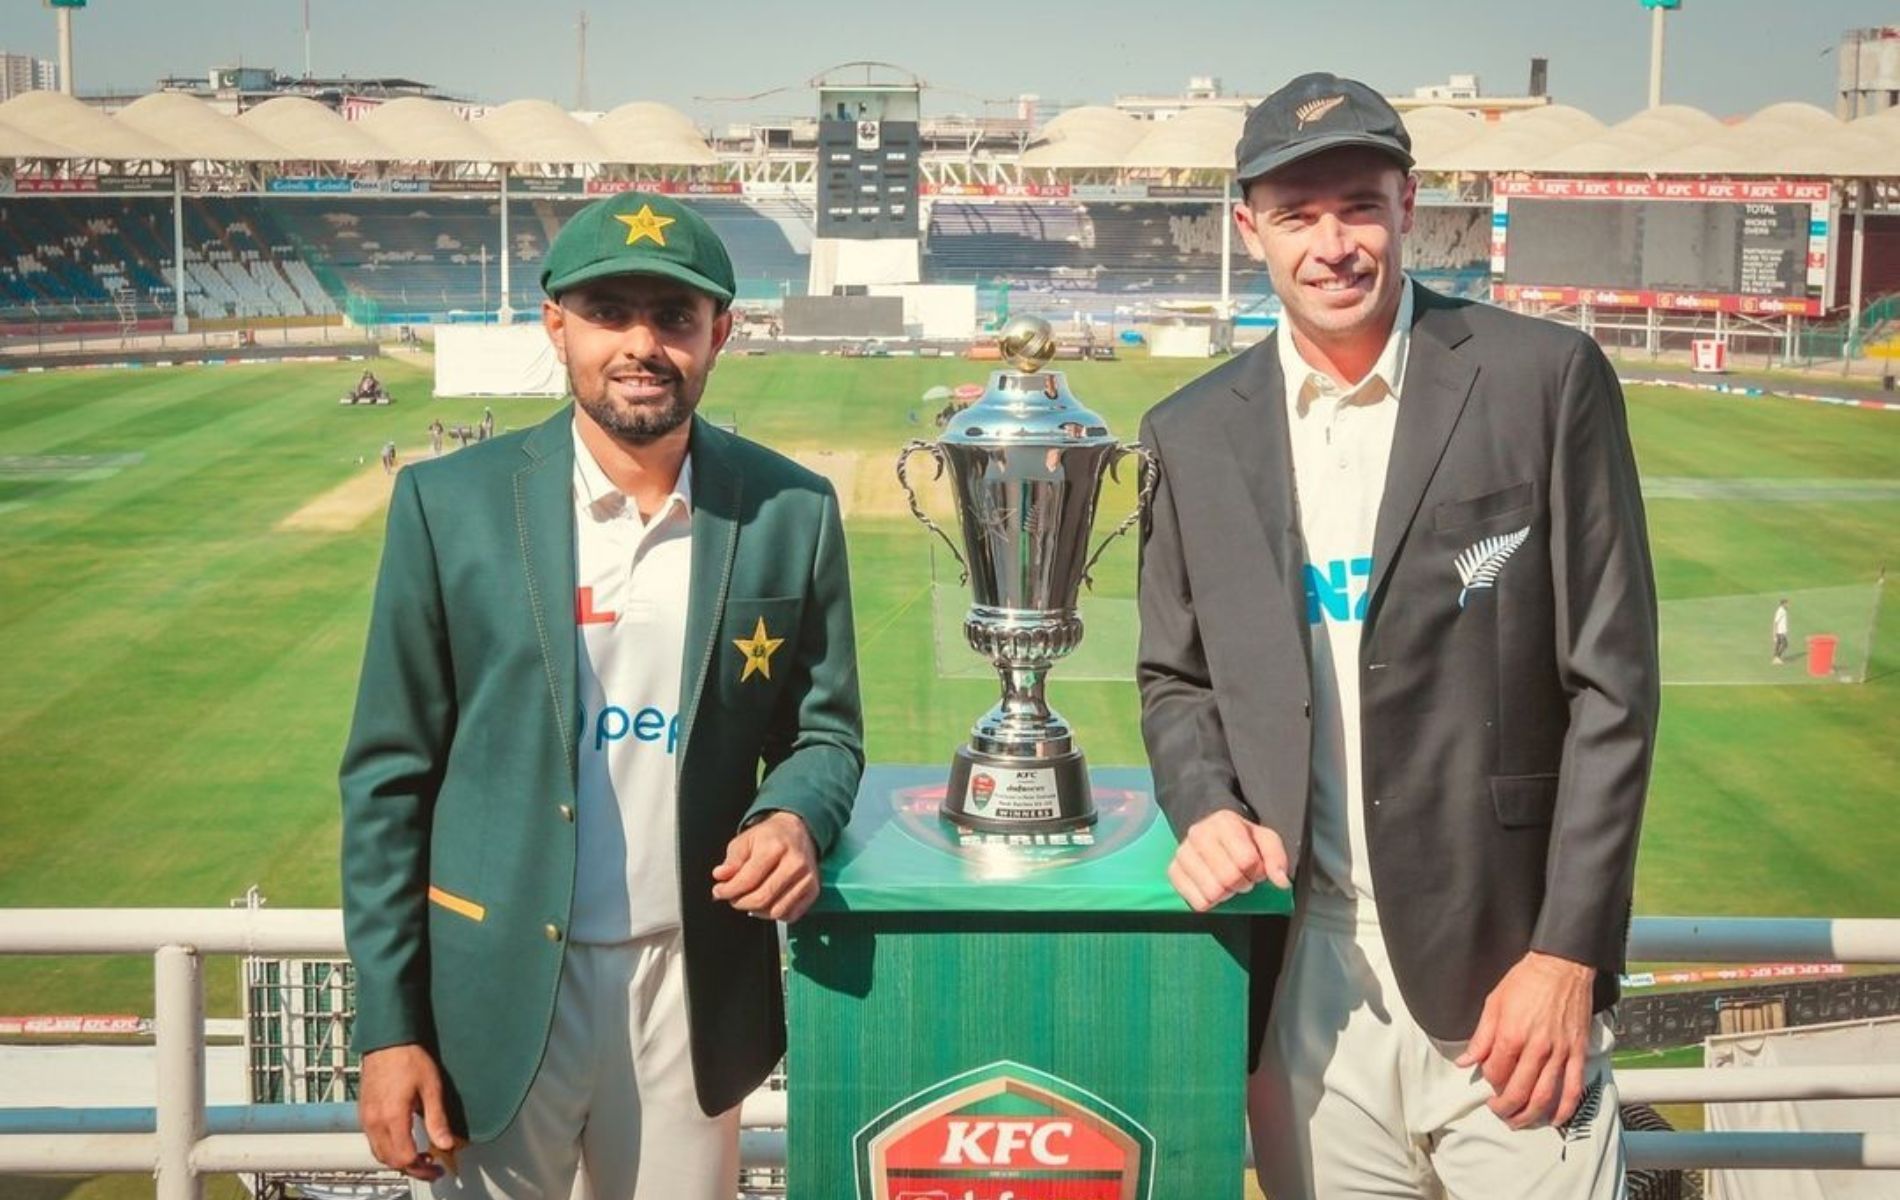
(771, 869)
(1224, 854)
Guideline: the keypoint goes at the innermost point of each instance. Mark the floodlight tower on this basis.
(1656, 10)
(63, 10)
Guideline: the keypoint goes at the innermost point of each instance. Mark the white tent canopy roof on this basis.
(308, 130)
(89, 133)
(197, 129)
(647, 134)
(537, 131)
(1090, 137)
(1199, 139)
(1789, 139)
(422, 130)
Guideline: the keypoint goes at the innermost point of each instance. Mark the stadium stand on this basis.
(1103, 251)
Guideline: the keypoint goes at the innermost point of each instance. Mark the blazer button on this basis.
(567, 813)
(553, 931)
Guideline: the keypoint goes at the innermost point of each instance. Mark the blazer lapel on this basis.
(544, 521)
(1437, 384)
(1257, 431)
(717, 488)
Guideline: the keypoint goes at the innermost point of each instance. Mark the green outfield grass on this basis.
(176, 672)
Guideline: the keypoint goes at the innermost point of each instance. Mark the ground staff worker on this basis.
(1399, 638)
(561, 867)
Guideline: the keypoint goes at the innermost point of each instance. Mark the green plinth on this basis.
(985, 1017)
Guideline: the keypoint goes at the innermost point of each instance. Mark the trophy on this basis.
(1026, 463)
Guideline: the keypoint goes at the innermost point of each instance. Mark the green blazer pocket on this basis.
(759, 645)
(1523, 801)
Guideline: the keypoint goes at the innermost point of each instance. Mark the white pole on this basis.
(179, 323)
(179, 1016)
(506, 313)
(1655, 57)
(66, 50)
(1227, 249)
(1856, 270)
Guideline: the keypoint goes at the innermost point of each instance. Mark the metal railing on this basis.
(179, 1140)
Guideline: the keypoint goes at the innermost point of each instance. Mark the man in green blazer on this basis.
(608, 723)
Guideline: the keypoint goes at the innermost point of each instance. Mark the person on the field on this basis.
(1781, 632)
(389, 458)
(607, 724)
(436, 430)
(1398, 650)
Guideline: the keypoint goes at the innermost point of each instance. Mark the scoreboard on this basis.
(868, 146)
(1753, 246)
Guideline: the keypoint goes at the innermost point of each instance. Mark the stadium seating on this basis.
(1101, 252)
(426, 257)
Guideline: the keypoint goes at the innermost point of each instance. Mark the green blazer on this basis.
(458, 781)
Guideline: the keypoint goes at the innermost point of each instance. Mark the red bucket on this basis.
(1821, 654)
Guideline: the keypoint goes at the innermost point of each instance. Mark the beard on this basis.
(638, 423)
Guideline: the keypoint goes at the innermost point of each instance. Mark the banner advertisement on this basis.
(1764, 190)
(666, 187)
(1643, 298)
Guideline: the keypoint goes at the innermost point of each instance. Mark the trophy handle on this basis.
(916, 509)
(1150, 475)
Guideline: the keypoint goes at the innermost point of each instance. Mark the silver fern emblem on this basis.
(1479, 565)
(1578, 1126)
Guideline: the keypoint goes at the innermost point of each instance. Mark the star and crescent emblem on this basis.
(644, 224)
(758, 650)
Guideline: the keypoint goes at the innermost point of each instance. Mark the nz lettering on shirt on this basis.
(1337, 591)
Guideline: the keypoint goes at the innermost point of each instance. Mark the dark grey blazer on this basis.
(1506, 729)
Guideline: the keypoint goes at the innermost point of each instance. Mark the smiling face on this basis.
(1329, 229)
(638, 350)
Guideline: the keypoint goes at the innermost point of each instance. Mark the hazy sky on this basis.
(1727, 56)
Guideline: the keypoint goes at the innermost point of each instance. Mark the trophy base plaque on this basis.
(993, 794)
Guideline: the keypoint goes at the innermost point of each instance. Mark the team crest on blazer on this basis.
(1003, 1132)
(758, 650)
(1479, 564)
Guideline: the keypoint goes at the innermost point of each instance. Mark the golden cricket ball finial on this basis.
(1027, 342)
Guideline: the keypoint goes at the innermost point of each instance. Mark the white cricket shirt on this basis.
(632, 579)
(1341, 443)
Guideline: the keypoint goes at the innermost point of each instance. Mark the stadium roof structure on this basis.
(172, 127)
(1093, 136)
(82, 131)
(196, 129)
(1786, 140)
(1198, 139)
(301, 124)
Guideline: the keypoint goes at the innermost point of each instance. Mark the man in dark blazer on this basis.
(1399, 640)
(608, 722)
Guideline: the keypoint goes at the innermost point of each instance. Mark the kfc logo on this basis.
(1004, 1132)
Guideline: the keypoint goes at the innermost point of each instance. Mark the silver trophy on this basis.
(1026, 463)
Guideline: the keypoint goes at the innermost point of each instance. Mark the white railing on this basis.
(180, 1139)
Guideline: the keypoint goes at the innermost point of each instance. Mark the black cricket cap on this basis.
(1313, 114)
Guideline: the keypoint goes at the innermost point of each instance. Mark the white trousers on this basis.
(1354, 1101)
(612, 1113)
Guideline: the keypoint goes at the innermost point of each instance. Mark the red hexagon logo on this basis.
(1004, 1132)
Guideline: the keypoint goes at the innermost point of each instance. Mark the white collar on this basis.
(599, 495)
(1388, 369)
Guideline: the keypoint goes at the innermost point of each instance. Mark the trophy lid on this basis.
(1027, 405)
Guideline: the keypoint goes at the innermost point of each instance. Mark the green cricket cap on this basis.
(638, 233)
